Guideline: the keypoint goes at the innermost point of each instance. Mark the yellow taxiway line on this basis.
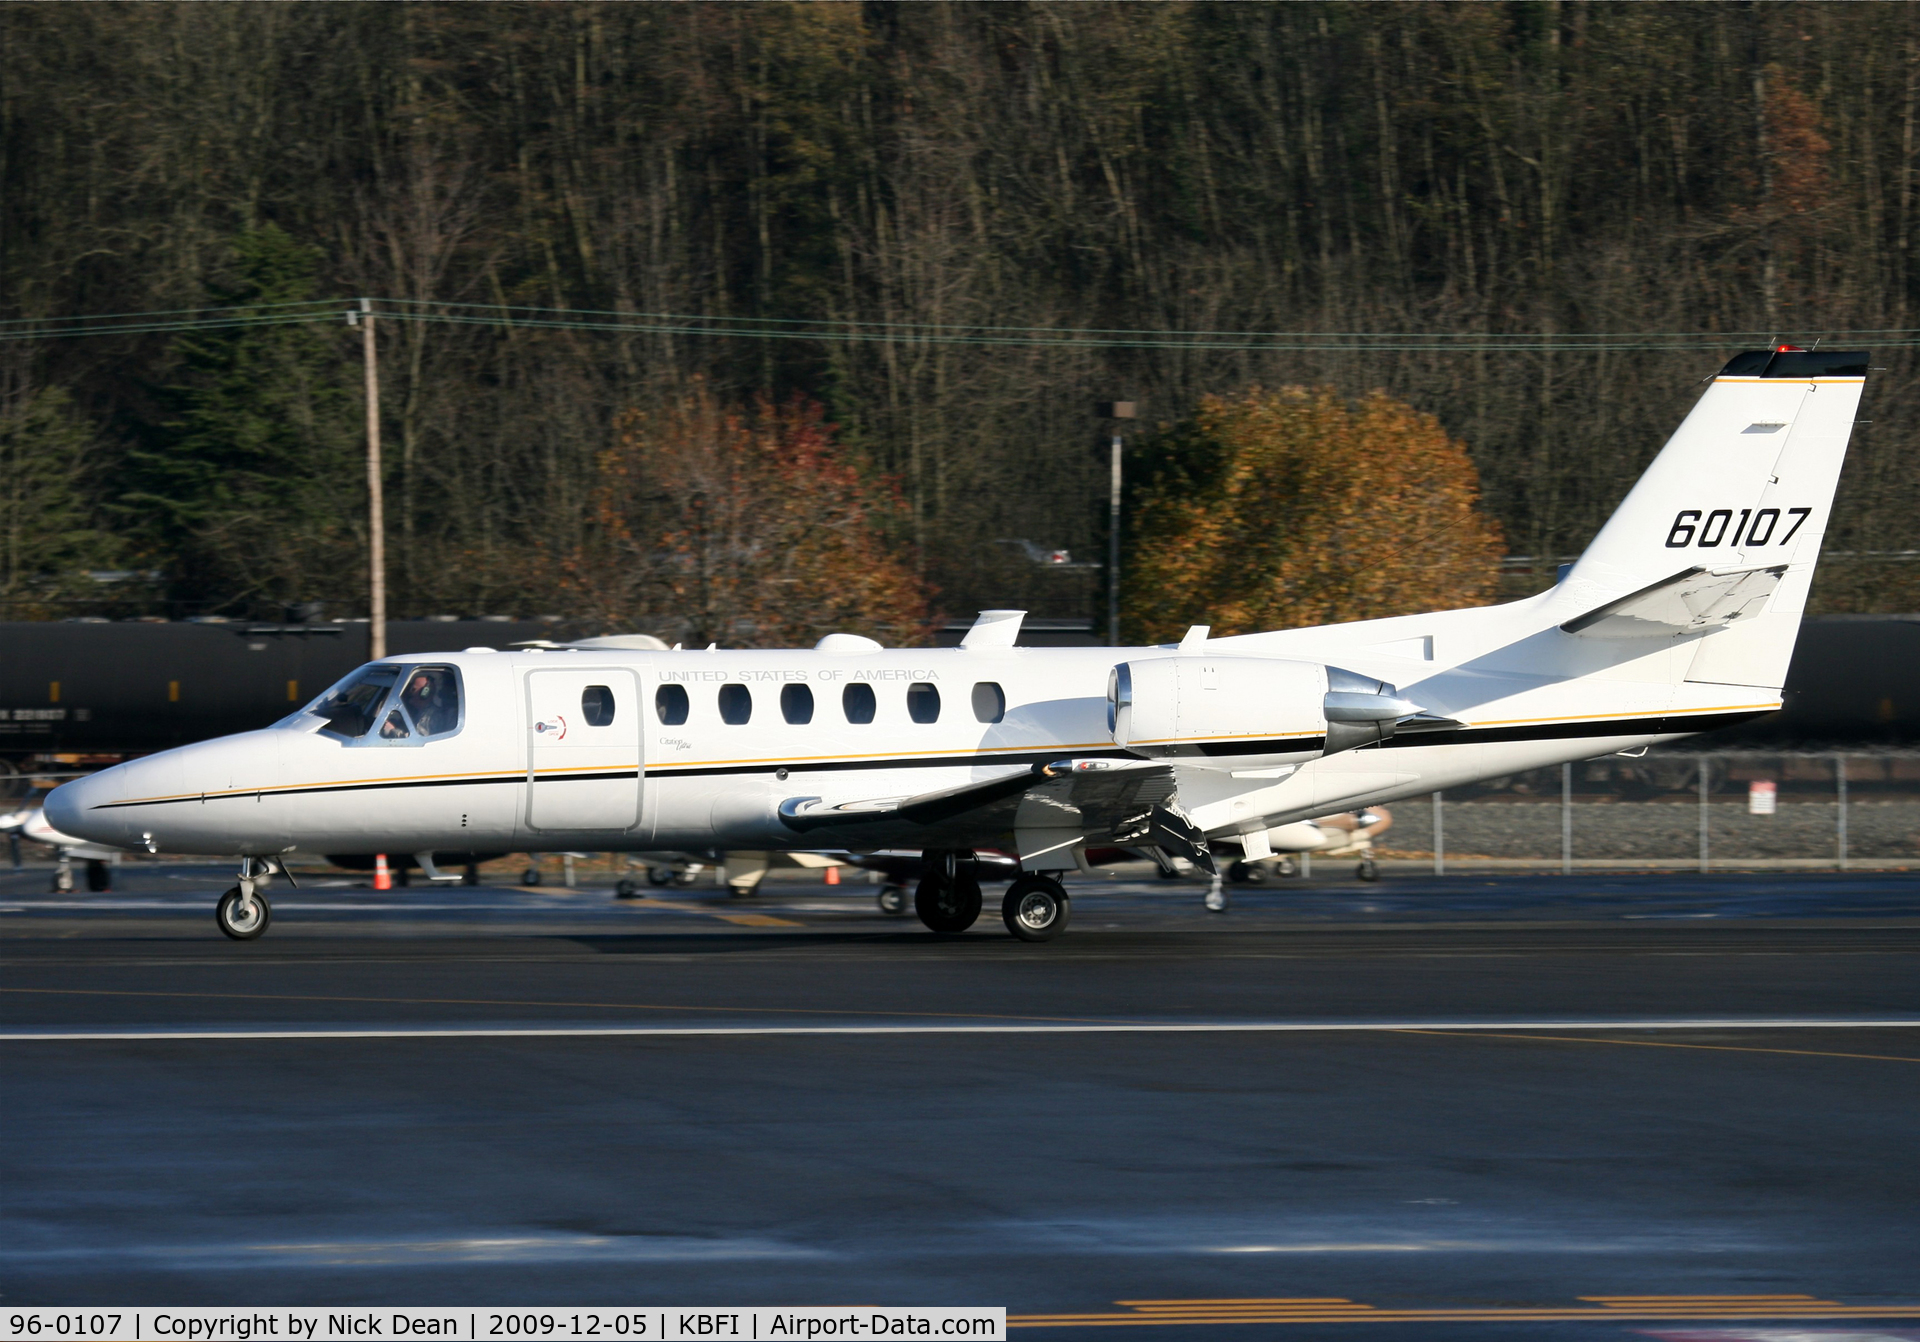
(1334, 1309)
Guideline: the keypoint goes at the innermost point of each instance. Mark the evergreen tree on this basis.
(252, 480)
(48, 535)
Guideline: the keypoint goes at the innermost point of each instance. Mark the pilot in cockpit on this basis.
(431, 701)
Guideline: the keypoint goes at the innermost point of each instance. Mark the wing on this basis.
(804, 814)
(1103, 798)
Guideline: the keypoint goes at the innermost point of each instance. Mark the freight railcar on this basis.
(95, 688)
(99, 689)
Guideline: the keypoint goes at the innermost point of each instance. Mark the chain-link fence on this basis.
(1726, 809)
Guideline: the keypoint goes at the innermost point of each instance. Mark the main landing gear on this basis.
(948, 897)
(243, 912)
(1036, 908)
(948, 900)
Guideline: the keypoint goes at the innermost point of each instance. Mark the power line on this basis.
(855, 331)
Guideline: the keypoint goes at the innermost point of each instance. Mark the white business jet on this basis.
(1680, 617)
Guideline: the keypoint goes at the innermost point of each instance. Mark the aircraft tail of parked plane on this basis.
(1679, 617)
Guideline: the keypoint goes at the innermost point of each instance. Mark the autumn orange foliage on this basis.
(746, 526)
(1275, 509)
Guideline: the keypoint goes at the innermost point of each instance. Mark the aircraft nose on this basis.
(75, 807)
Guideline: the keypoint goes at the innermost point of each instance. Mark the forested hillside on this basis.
(1173, 182)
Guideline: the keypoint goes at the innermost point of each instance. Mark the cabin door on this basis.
(583, 748)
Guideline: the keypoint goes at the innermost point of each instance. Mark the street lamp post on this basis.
(1114, 411)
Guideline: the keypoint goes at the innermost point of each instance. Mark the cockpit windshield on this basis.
(351, 706)
(390, 705)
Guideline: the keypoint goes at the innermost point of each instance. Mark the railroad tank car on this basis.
(128, 688)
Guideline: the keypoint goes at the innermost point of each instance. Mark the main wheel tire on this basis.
(625, 889)
(892, 900)
(1257, 873)
(1036, 908)
(531, 876)
(1286, 866)
(1368, 870)
(1238, 872)
(949, 907)
(659, 875)
(99, 876)
(243, 926)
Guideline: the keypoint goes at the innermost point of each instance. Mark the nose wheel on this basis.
(243, 916)
(243, 912)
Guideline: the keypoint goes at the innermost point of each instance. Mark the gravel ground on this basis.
(1656, 830)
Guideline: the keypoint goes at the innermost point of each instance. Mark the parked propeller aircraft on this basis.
(30, 823)
(1680, 617)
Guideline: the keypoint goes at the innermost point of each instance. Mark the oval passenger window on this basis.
(670, 705)
(989, 701)
(856, 701)
(596, 703)
(923, 702)
(736, 704)
(796, 704)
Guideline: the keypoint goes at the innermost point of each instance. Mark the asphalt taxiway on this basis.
(1575, 1107)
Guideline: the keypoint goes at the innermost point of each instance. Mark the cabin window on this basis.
(353, 706)
(736, 704)
(857, 702)
(796, 704)
(989, 701)
(923, 702)
(670, 705)
(596, 706)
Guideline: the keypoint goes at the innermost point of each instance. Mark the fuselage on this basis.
(615, 750)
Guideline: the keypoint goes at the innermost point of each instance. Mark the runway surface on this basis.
(1613, 1107)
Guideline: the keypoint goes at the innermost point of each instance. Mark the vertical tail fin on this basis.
(1721, 534)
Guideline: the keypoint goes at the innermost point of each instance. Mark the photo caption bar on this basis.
(654, 1323)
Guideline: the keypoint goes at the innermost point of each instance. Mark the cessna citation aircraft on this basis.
(1680, 617)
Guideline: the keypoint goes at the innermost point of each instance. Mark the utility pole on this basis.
(376, 507)
(1115, 411)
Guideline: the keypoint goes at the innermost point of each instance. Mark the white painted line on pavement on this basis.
(188, 1033)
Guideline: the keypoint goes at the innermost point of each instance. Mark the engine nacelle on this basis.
(1233, 707)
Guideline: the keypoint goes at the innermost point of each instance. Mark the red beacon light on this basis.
(1789, 349)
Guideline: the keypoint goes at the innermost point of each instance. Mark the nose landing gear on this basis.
(243, 912)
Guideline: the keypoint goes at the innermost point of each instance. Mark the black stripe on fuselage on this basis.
(1679, 725)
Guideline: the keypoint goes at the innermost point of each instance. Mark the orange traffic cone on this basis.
(833, 875)
(382, 878)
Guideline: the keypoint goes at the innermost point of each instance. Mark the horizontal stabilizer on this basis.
(1693, 601)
